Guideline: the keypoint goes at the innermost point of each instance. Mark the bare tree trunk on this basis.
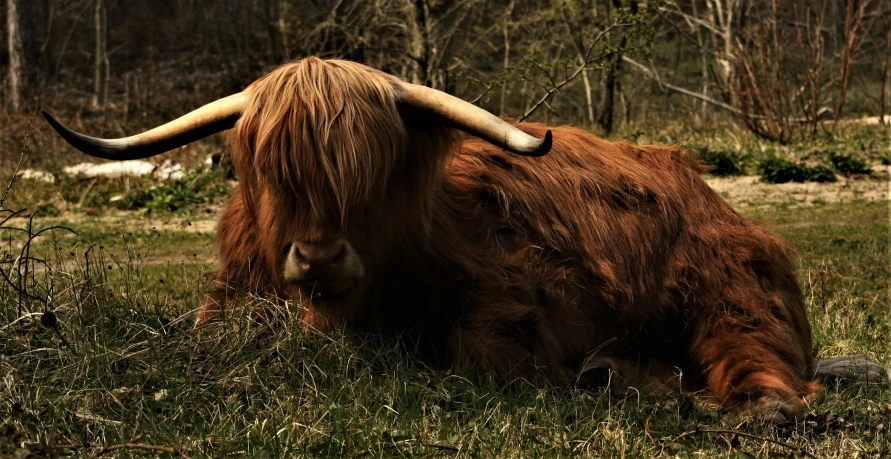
(715, 28)
(609, 99)
(589, 98)
(882, 93)
(812, 90)
(505, 30)
(576, 37)
(126, 104)
(703, 63)
(419, 42)
(837, 26)
(884, 84)
(722, 15)
(100, 59)
(106, 77)
(21, 51)
(613, 83)
(45, 51)
(273, 20)
(855, 31)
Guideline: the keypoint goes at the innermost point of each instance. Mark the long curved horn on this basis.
(474, 120)
(212, 118)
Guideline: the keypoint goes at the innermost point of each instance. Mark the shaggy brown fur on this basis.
(598, 256)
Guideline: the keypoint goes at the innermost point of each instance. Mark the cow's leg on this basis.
(491, 350)
(649, 377)
(755, 358)
(240, 273)
(525, 332)
(257, 298)
(213, 304)
(514, 340)
(226, 289)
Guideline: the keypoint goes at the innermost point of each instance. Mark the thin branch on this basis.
(396, 445)
(16, 288)
(694, 19)
(141, 446)
(651, 74)
(18, 166)
(797, 448)
(687, 36)
(585, 61)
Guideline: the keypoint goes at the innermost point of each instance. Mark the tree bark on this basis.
(21, 51)
(575, 35)
(884, 83)
(273, 24)
(419, 42)
(100, 59)
(722, 14)
(855, 32)
(613, 84)
(505, 31)
(703, 67)
(44, 53)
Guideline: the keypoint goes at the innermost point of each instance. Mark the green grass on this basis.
(846, 270)
(190, 196)
(122, 363)
(852, 148)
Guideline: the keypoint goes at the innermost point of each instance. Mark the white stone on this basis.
(33, 174)
(116, 169)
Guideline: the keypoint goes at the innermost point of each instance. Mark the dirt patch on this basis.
(812, 224)
(179, 244)
(750, 191)
(743, 191)
(119, 221)
(72, 265)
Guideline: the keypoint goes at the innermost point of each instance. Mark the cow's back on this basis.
(608, 244)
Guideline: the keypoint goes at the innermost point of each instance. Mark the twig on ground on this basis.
(142, 446)
(407, 442)
(698, 430)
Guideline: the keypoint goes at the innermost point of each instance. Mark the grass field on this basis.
(98, 356)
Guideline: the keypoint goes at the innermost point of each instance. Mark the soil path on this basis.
(748, 190)
(740, 192)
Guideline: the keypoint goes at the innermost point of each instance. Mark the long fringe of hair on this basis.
(324, 146)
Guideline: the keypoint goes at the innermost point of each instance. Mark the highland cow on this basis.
(519, 250)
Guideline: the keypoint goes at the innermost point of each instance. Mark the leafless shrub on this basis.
(775, 101)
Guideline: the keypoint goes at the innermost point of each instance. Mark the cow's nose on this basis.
(310, 259)
(324, 254)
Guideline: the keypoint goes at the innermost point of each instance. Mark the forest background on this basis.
(785, 70)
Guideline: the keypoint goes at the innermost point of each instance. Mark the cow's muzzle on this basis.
(320, 268)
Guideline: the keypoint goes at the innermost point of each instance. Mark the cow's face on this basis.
(320, 171)
(317, 259)
(329, 175)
